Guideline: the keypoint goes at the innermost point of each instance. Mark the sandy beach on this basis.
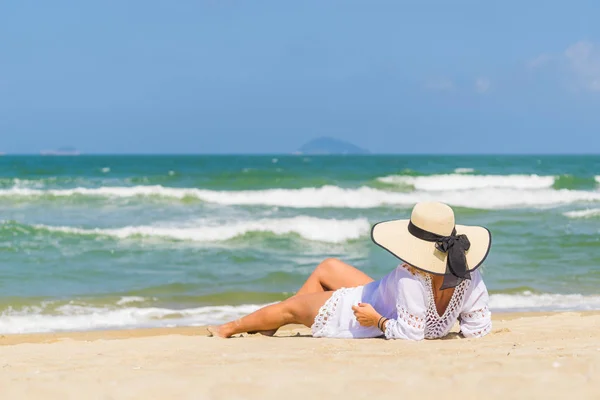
(533, 355)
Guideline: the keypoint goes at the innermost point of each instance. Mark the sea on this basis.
(111, 242)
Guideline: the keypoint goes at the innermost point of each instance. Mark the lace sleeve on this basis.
(475, 317)
(411, 307)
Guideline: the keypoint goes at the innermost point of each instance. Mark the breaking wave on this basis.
(310, 228)
(460, 181)
(71, 317)
(589, 213)
(464, 170)
(528, 301)
(459, 189)
(82, 317)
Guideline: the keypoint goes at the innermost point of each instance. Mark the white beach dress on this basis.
(407, 300)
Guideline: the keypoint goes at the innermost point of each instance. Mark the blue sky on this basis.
(266, 76)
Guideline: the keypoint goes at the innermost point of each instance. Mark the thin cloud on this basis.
(539, 61)
(482, 85)
(440, 85)
(580, 61)
(583, 59)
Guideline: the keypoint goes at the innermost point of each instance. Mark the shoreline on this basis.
(132, 333)
(525, 356)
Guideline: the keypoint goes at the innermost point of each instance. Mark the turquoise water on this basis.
(95, 242)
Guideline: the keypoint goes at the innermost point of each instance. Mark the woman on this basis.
(423, 298)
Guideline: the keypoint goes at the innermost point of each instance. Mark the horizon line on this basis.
(294, 154)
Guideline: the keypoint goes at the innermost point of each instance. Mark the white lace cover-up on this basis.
(407, 300)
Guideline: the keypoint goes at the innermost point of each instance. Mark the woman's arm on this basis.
(411, 309)
(411, 312)
(475, 317)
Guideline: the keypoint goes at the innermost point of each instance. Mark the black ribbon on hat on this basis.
(455, 246)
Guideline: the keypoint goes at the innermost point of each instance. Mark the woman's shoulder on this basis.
(411, 288)
(476, 277)
(407, 275)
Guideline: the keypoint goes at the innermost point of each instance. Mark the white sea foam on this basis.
(484, 197)
(463, 182)
(316, 229)
(528, 301)
(597, 178)
(464, 170)
(592, 212)
(130, 299)
(72, 317)
(105, 191)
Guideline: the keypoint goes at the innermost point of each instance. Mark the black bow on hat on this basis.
(455, 246)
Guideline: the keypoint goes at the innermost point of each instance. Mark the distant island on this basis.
(326, 145)
(63, 151)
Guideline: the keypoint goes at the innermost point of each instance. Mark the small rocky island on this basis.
(327, 145)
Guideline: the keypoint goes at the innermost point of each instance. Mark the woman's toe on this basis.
(214, 331)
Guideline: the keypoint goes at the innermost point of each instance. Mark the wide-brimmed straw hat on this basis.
(430, 237)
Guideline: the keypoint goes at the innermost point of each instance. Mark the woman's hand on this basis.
(365, 314)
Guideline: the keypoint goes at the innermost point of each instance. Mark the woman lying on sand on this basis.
(421, 298)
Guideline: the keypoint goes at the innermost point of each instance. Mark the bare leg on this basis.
(333, 274)
(299, 309)
(330, 275)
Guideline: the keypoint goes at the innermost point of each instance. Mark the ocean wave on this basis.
(336, 197)
(247, 178)
(130, 299)
(105, 191)
(528, 301)
(460, 181)
(464, 170)
(40, 183)
(589, 213)
(81, 317)
(310, 228)
(597, 178)
(71, 317)
(63, 182)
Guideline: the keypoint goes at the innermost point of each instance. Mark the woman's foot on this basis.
(217, 331)
(222, 331)
(270, 332)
